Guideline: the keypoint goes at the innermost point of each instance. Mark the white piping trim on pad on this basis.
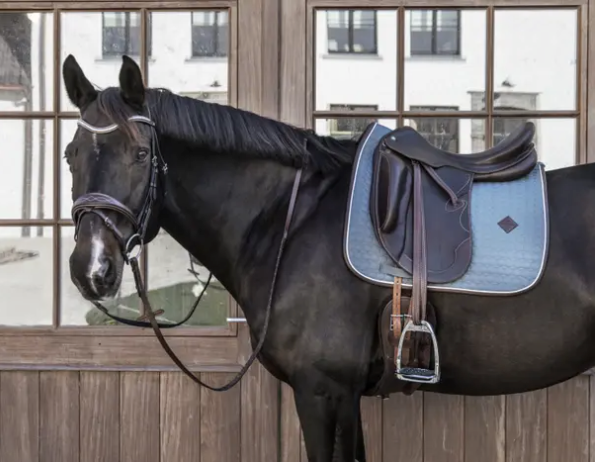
(442, 288)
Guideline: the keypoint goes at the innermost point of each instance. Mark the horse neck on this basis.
(226, 211)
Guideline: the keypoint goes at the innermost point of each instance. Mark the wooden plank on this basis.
(269, 420)
(270, 58)
(592, 418)
(259, 397)
(590, 104)
(371, 411)
(59, 416)
(293, 62)
(582, 76)
(180, 418)
(568, 421)
(290, 427)
(526, 427)
(443, 428)
(139, 416)
(250, 55)
(403, 428)
(485, 431)
(99, 416)
(19, 416)
(98, 351)
(220, 421)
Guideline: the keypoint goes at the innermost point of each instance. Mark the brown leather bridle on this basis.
(97, 203)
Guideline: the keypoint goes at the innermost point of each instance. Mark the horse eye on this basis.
(142, 154)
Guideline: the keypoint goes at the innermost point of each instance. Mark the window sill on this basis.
(112, 59)
(207, 59)
(353, 56)
(436, 58)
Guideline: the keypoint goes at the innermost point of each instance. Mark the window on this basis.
(442, 132)
(349, 127)
(209, 34)
(435, 32)
(352, 31)
(122, 34)
(39, 302)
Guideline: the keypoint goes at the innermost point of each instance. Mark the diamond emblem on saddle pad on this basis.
(507, 224)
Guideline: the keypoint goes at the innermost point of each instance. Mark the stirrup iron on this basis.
(416, 374)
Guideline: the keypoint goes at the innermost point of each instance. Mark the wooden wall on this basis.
(89, 416)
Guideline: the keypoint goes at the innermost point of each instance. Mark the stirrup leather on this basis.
(416, 374)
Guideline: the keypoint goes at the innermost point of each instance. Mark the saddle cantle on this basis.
(420, 210)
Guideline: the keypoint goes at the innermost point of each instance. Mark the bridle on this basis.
(97, 203)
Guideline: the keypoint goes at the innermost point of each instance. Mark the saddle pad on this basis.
(502, 263)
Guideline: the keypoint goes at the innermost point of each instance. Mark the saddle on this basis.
(419, 208)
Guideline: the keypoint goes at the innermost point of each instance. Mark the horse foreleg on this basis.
(323, 413)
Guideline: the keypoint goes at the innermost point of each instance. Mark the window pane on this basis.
(173, 287)
(175, 40)
(347, 127)
(356, 58)
(26, 281)
(97, 46)
(555, 139)
(461, 136)
(74, 309)
(535, 55)
(446, 57)
(26, 168)
(26, 62)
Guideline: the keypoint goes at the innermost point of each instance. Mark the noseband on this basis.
(97, 203)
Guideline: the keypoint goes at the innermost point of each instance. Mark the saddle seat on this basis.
(495, 164)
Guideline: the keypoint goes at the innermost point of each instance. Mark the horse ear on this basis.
(78, 88)
(131, 83)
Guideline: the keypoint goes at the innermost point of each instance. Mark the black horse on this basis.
(224, 197)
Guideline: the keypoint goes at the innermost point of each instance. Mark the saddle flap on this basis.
(448, 235)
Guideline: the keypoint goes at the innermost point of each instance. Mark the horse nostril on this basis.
(105, 274)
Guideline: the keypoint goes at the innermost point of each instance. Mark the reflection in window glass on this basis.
(26, 61)
(26, 168)
(555, 139)
(352, 31)
(175, 279)
(435, 32)
(26, 281)
(461, 136)
(356, 58)
(210, 32)
(445, 57)
(97, 40)
(121, 34)
(349, 128)
(535, 58)
(195, 44)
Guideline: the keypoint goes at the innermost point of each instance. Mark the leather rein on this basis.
(97, 203)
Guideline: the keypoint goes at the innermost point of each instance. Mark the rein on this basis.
(96, 203)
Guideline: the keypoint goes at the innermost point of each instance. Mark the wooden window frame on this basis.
(112, 347)
(580, 113)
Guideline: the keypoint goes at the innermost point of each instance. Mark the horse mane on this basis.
(225, 129)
